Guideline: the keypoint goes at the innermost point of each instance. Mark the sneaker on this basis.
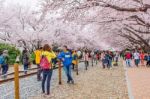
(50, 95)
(43, 94)
(25, 72)
(39, 79)
(72, 82)
(68, 82)
(4, 76)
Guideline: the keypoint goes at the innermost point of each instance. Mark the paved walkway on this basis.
(96, 83)
(139, 79)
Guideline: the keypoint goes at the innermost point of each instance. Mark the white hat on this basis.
(5, 51)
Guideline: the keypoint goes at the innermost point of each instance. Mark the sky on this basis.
(26, 3)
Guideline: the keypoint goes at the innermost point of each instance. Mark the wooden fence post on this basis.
(59, 73)
(16, 80)
(77, 67)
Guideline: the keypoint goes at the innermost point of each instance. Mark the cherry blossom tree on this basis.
(130, 16)
(98, 24)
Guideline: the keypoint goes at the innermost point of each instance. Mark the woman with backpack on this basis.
(46, 65)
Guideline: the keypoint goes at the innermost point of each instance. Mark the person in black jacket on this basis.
(25, 60)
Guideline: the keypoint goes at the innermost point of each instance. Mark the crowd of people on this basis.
(46, 59)
(87, 55)
(138, 56)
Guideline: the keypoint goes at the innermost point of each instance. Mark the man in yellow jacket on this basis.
(38, 54)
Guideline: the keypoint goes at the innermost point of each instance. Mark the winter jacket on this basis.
(66, 57)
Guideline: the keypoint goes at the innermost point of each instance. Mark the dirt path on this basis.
(96, 83)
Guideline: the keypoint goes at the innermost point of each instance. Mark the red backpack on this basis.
(44, 63)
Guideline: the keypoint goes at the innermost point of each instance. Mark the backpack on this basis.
(44, 63)
(2, 60)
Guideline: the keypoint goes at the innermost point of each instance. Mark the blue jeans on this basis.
(4, 69)
(137, 61)
(47, 74)
(128, 62)
(25, 68)
(109, 63)
(116, 59)
(86, 64)
(67, 70)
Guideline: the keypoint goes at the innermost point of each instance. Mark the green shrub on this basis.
(32, 57)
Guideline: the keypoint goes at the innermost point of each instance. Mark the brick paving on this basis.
(96, 83)
(140, 82)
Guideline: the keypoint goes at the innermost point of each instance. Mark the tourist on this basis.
(116, 57)
(74, 59)
(128, 57)
(103, 59)
(25, 60)
(92, 57)
(148, 60)
(110, 58)
(1, 62)
(86, 59)
(107, 58)
(5, 64)
(97, 57)
(46, 65)
(66, 57)
(38, 54)
(79, 53)
(123, 56)
(136, 56)
(142, 56)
